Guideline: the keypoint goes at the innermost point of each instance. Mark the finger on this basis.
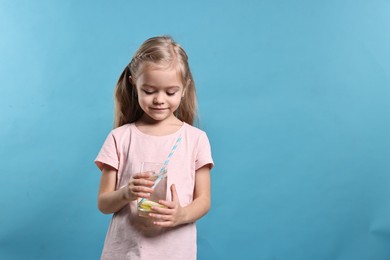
(161, 210)
(143, 175)
(160, 217)
(142, 195)
(168, 204)
(163, 223)
(135, 187)
(137, 192)
(143, 182)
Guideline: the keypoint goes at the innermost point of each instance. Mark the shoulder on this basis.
(197, 136)
(119, 131)
(201, 147)
(194, 131)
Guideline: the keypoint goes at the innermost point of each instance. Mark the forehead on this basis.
(156, 75)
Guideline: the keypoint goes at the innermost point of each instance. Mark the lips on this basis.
(158, 108)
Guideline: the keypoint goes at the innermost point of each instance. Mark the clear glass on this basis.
(159, 175)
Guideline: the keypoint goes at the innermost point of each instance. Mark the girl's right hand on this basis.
(140, 186)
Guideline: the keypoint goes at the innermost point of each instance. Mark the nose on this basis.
(158, 99)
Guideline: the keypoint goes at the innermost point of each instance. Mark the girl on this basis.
(155, 108)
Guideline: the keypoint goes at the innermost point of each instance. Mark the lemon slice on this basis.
(148, 204)
(153, 177)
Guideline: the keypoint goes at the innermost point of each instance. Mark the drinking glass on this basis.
(159, 176)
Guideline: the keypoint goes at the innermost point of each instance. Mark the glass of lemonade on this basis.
(159, 173)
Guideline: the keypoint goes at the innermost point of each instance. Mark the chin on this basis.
(158, 118)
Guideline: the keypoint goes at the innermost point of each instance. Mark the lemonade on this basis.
(145, 207)
(159, 176)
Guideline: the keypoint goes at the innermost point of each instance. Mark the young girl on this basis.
(155, 107)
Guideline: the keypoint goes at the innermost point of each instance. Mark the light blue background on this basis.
(294, 96)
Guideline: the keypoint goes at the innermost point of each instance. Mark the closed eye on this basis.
(147, 92)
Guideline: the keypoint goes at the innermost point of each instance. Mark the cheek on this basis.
(176, 101)
(144, 99)
(143, 102)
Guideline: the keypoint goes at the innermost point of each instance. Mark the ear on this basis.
(131, 80)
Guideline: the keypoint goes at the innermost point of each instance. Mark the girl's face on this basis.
(159, 92)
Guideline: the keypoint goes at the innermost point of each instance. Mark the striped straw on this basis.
(163, 169)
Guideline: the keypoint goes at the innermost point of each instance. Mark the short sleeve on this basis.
(108, 153)
(204, 153)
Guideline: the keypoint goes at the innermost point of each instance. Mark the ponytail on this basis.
(188, 105)
(127, 109)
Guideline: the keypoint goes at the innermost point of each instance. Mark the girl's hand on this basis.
(170, 216)
(139, 186)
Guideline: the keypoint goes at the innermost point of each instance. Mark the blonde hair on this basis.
(161, 50)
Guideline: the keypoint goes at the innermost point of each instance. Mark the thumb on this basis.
(175, 197)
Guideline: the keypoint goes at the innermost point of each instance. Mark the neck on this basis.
(158, 128)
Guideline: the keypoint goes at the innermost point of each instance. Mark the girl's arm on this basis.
(201, 203)
(174, 214)
(111, 200)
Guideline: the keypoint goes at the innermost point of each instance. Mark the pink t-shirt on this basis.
(130, 236)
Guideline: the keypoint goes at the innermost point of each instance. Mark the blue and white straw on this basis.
(163, 169)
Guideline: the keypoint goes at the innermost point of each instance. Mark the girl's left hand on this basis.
(170, 216)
